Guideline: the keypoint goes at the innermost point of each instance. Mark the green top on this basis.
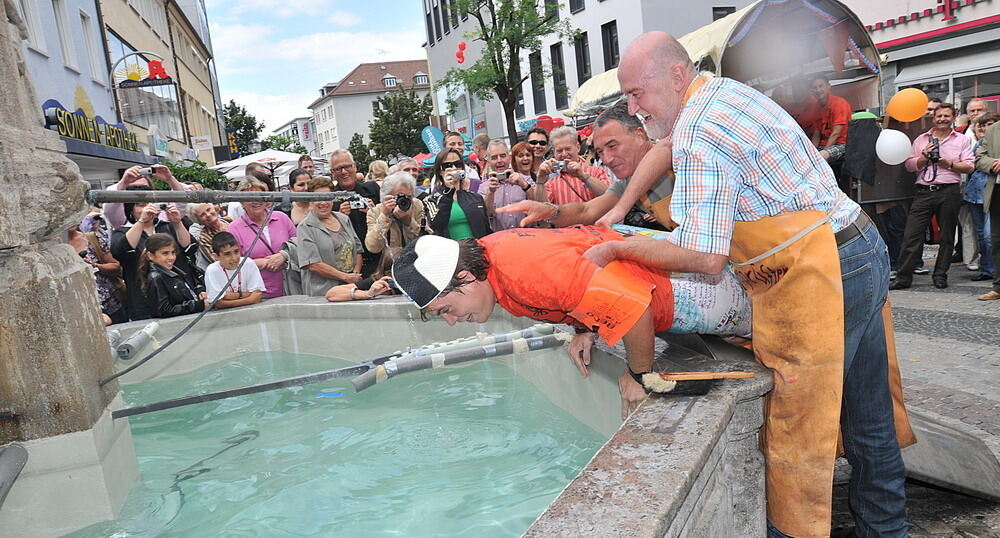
(458, 223)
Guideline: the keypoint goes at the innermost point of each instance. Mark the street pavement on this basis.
(948, 344)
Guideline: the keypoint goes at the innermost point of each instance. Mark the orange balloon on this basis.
(907, 105)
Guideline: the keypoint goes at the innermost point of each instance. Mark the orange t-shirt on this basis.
(542, 274)
(836, 112)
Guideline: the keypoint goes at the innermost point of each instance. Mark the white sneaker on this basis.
(972, 267)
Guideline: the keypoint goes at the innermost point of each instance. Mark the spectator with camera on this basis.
(454, 140)
(503, 186)
(329, 252)
(344, 172)
(277, 229)
(453, 210)
(566, 178)
(128, 243)
(91, 242)
(396, 221)
(940, 157)
(115, 214)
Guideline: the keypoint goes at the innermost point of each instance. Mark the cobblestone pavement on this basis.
(949, 352)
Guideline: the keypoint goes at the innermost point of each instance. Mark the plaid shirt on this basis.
(740, 156)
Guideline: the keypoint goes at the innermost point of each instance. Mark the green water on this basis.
(469, 451)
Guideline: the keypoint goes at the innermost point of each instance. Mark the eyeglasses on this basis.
(451, 164)
(538, 142)
(344, 168)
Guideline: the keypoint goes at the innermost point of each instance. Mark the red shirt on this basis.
(541, 273)
(566, 189)
(836, 112)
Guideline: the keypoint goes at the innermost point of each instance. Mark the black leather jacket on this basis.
(172, 292)
(471, 203)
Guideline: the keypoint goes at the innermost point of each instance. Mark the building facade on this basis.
(606, 28)
(346, 107)
(66, 60)
(949, 49)
(300, 131)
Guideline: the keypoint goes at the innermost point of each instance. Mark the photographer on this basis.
(565, 178)
(115, 214)
(454, 210)
(396, 221)
(940, 157)
(345, 175)
(503, 186)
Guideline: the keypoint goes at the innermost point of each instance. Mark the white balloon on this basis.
(892, 147)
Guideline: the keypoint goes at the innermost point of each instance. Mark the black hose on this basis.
(207, 309)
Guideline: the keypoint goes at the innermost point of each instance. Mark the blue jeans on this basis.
(981, 227)
(876, 495)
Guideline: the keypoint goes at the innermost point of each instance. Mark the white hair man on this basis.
(566, 177)
(344, 172)
(503, 186)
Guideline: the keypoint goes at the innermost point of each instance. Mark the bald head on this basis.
(655, 73)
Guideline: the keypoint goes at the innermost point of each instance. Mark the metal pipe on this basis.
(96, 196)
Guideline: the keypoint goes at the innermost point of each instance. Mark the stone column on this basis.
(53, 348)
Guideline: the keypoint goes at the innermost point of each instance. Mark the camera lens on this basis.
(403, 202)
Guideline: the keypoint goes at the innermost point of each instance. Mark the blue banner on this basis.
(433, 138)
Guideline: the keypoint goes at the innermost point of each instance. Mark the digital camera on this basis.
(404, 202)
(162, 206)
(148, 171)
(458, 176)
(358, 204)
(558, 166)
(502, 176)
(934, 154)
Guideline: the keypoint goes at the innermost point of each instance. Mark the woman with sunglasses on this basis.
(453, 210)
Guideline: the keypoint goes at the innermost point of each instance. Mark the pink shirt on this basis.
(508, 193)
(279, 229)
(955, 148)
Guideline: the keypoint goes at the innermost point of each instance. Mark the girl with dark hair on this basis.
(453, 210)
(169, 290)
(128, 243)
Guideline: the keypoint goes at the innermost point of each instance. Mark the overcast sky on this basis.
(272, 56)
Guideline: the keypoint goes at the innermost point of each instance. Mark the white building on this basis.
(346, 107)
(606, 26)
(301, 131)
(951, 50)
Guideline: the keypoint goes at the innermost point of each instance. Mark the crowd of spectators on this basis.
(159, 260)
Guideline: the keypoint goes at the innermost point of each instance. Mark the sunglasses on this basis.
(538, 142)
(451, 164)
(342, 168)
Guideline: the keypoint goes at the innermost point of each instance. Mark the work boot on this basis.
(940, 282)
(989, 296)
(899, 284)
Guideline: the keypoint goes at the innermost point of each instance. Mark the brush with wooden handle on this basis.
(667, 381)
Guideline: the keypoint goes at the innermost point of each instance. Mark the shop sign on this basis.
(135, 76)
(82, 127)
(201, 143)
(234, 151)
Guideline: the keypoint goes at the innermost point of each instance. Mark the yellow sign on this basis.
(87, 129)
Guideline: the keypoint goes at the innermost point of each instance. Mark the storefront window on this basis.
(157, 105)
(935, 88)
(985, 86)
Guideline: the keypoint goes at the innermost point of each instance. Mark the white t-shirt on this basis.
(248, 280)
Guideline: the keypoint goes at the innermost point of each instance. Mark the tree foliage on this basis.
(193, 172)
(246, 126)
(362, 155)
(399, 118)
(507, 29)
(282, 143)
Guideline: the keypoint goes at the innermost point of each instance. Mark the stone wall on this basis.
(52, 344)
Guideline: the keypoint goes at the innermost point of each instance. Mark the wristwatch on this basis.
(637, 377)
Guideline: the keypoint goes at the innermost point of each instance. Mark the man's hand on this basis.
(345, 208)
(352, 278)
(380, 287)
(132, 177)
(388, 205)
(162, 173)
(632, 393)
(534, 211)
(545, 170)
(575, 169)
(612, 217)
(602, 254)
(579, 351)
(494, 183)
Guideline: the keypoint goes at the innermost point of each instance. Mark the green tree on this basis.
(193, 172)
(362, 155)
(244, 123)
(399, 117)
(507, 29)
(282, 143)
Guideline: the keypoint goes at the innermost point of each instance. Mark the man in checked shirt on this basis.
(752, 191)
